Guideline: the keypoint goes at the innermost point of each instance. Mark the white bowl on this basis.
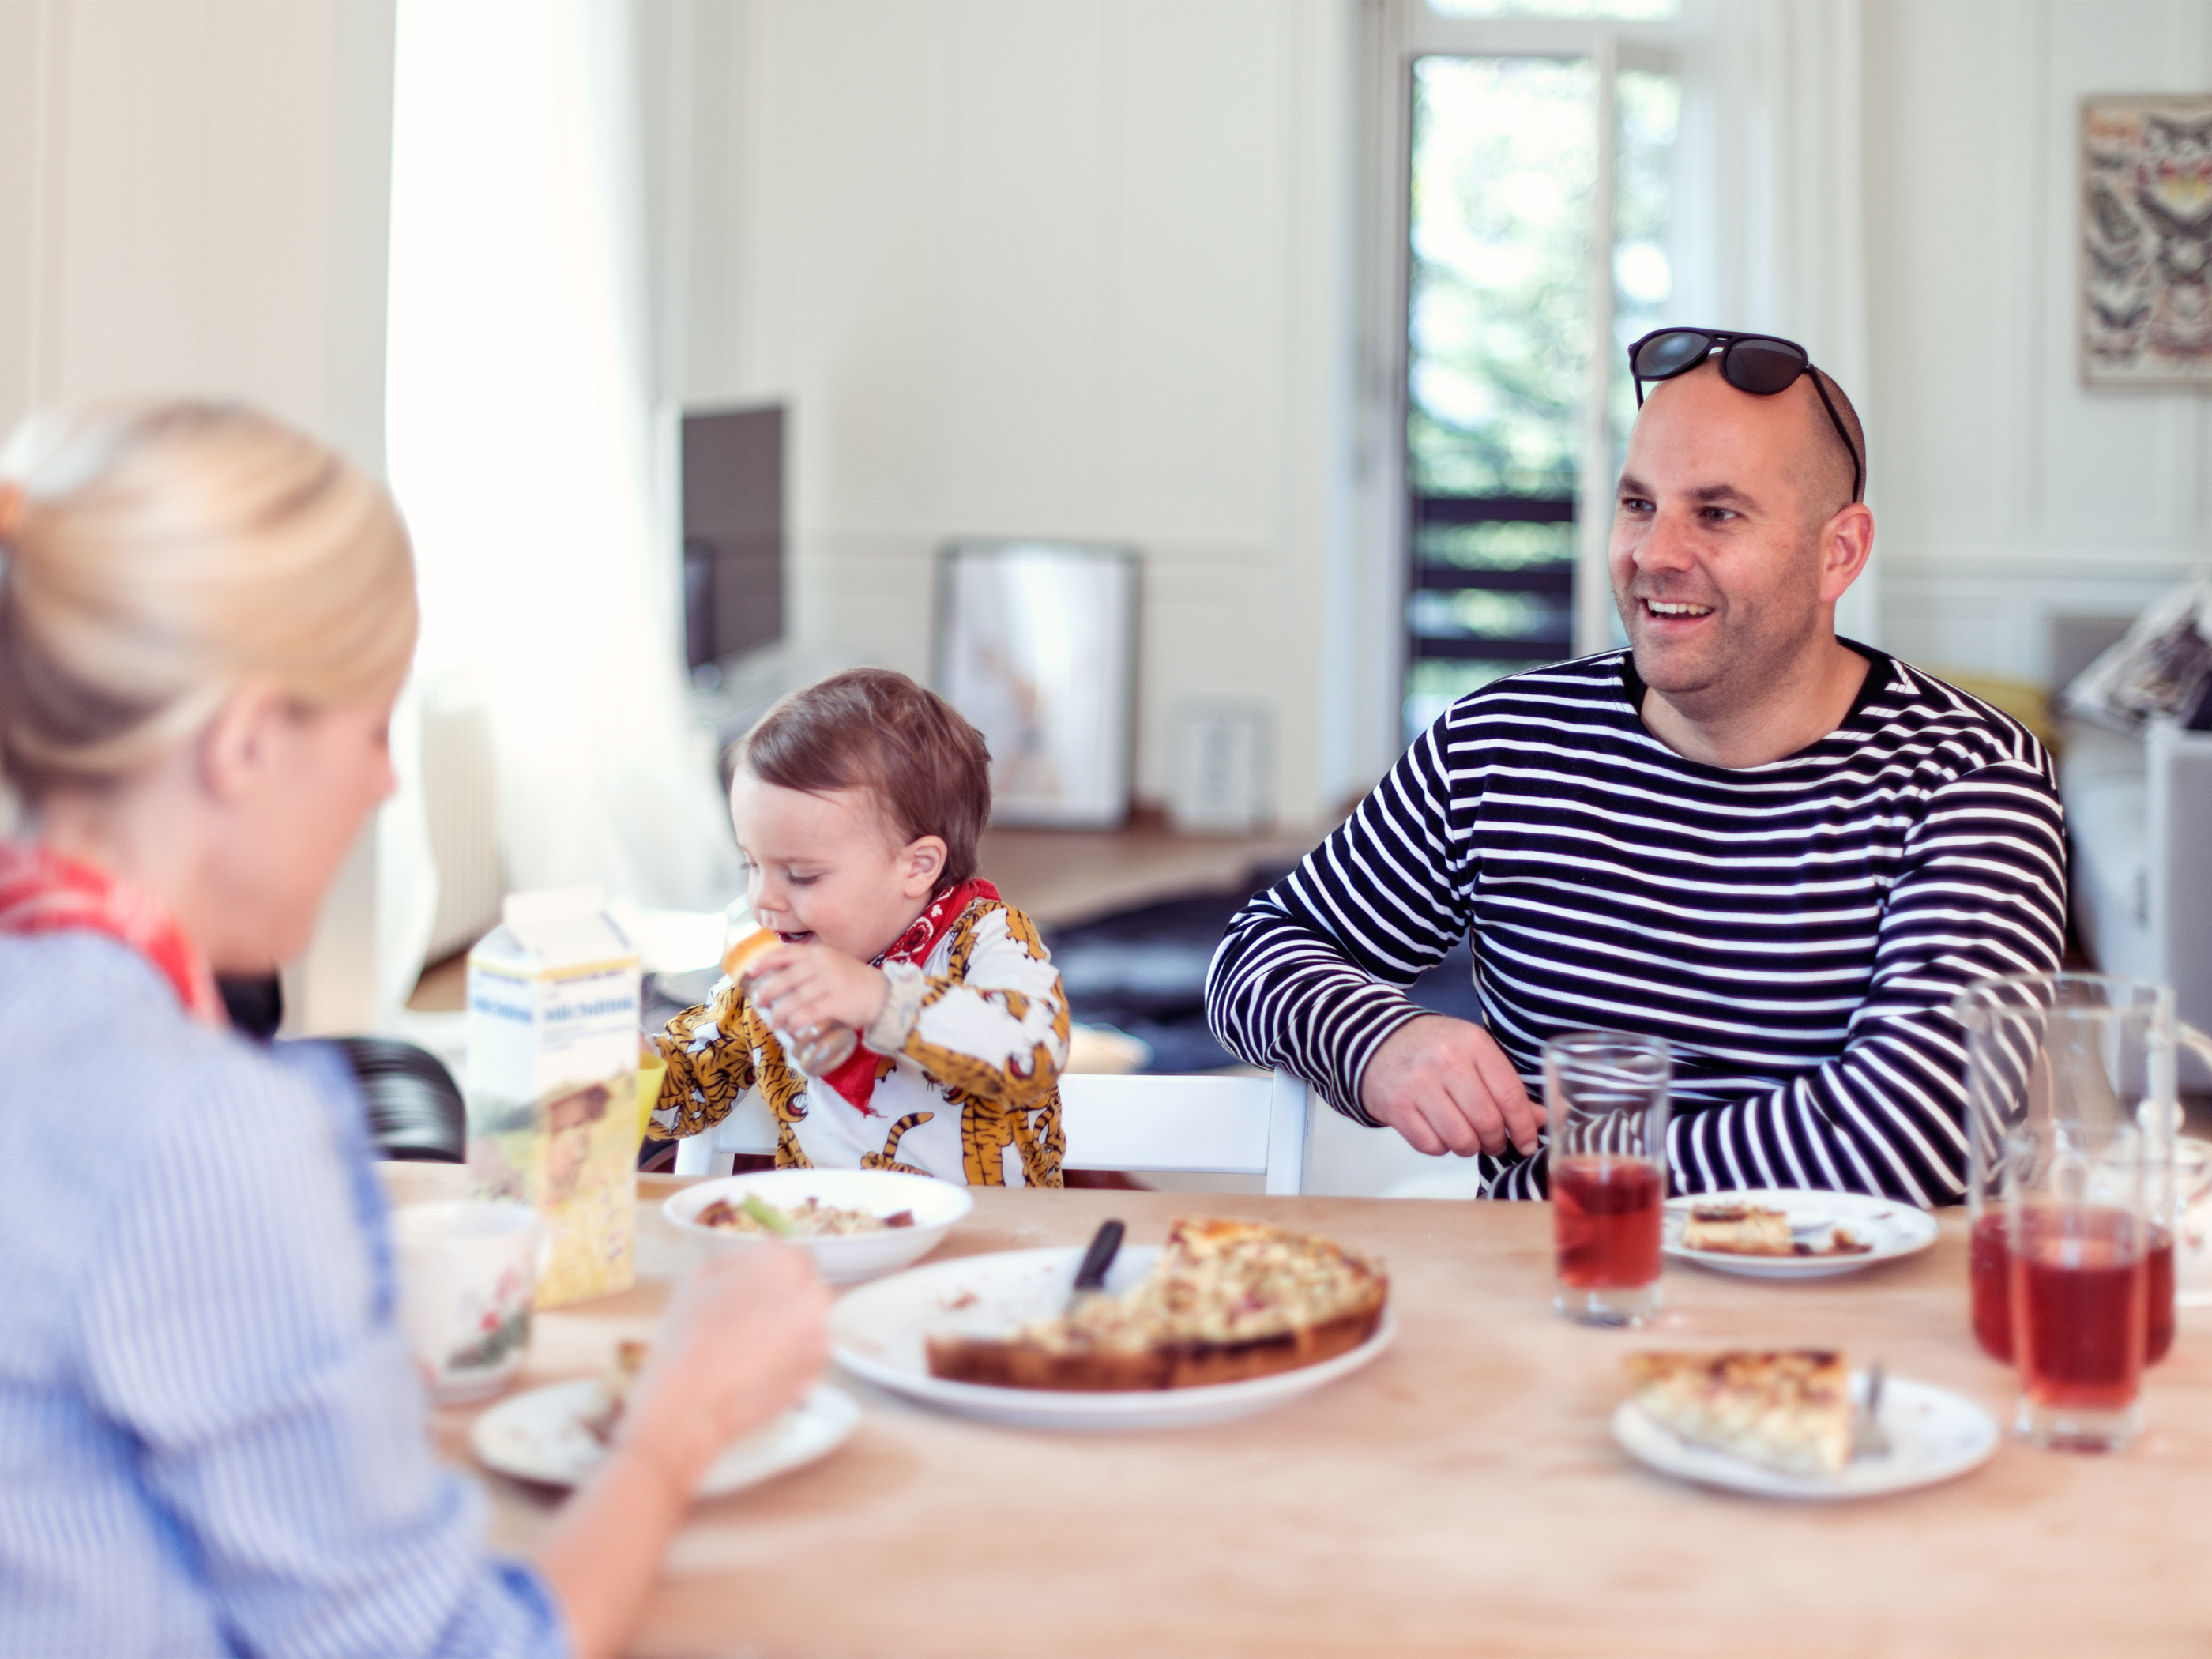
(937, 1205)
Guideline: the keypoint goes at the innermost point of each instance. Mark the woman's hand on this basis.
(745, 1336)
(799, 987)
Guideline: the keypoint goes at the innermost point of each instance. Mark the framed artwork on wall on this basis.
(2147, 241)
(1036, 644)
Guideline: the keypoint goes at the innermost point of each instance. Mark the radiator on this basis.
(460, 798)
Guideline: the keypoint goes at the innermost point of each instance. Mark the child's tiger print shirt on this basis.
(970, 1044)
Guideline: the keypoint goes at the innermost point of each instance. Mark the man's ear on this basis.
(237, 744)
(1846, 545)
(921, 861)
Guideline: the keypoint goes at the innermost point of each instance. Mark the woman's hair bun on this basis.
(163, 556)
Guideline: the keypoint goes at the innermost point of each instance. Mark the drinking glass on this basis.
(1605, 1095)
(2045, 1048)
(2077, 1231)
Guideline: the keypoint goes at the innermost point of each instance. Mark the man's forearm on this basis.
(1278, 995)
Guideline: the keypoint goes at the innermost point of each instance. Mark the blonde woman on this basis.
(210, 1439)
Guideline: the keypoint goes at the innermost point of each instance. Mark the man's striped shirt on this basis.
(1795, 931)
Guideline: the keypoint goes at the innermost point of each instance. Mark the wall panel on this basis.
(1062, 269)
(2010, 493)
(193, 200)
(198, 190)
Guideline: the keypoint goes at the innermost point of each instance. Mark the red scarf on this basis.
(855, 1079)
(43, 892)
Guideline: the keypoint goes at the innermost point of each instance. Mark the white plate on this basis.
(540, 1436)
(1935, 1436)
(937, 1207)
(877, 1335)
(1894, 1229)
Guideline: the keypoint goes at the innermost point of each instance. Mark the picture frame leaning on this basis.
(2146, 241)
(1037, 646)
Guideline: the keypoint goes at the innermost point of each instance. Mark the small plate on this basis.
(1935, 1436)
(1894, 1228)
(938, 1206)
(540, 1436)
(878, 1334)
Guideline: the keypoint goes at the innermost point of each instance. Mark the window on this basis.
(1537, 188)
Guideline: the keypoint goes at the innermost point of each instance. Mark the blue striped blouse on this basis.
(211, 1439)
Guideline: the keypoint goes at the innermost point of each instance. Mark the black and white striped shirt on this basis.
(1795, 930)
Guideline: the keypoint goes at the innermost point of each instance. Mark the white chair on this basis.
(1193, 1124)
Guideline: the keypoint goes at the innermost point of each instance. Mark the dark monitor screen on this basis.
(733, 532)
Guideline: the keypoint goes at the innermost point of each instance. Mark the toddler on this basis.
(857, 803)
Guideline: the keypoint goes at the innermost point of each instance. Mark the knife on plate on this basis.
(1090, 1277)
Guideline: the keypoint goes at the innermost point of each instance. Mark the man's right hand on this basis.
(1447, 1087)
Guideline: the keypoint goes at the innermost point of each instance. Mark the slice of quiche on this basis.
(1737, 1229)
(1226, 1301)
(1789, 1409)
(604, 1415)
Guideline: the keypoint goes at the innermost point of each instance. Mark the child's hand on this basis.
(799, 987)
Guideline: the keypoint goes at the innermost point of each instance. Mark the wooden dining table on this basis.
(1463, 1494)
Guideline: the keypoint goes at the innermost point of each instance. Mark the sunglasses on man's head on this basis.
(1761, 364)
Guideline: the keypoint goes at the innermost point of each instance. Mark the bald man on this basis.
(1781, 851)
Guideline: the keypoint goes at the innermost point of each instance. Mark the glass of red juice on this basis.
(2078, 1222)
(1606, 1101)
(2079, 1318)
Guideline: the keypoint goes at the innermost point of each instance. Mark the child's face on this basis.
(829, 868)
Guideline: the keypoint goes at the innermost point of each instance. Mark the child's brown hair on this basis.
(873, 729)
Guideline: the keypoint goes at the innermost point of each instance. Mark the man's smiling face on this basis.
(1716, 554)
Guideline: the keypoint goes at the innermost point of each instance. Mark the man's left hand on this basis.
(799, 987)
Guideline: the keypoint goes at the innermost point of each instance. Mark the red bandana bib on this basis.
(856, 1079)
(42, 892)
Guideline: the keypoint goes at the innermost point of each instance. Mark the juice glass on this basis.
(2078, 1235)
(2043, 1048)
(1606, 1095)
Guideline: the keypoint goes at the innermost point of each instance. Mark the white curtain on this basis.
(406, 891)
(1770, 226)
(522, 446)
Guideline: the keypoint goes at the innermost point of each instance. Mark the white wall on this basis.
(1073, 269)
(194, 196)
(197, 192)
(1081, 269)
(2006, 492)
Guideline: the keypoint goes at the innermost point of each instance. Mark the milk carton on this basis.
(552, 1084)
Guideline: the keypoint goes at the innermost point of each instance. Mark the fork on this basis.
(1868, 1437)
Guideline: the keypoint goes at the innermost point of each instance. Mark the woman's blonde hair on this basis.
(156, 558)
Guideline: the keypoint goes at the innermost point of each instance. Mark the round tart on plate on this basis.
(1224, 1302)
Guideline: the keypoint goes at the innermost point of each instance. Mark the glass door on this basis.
(1538, 187)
